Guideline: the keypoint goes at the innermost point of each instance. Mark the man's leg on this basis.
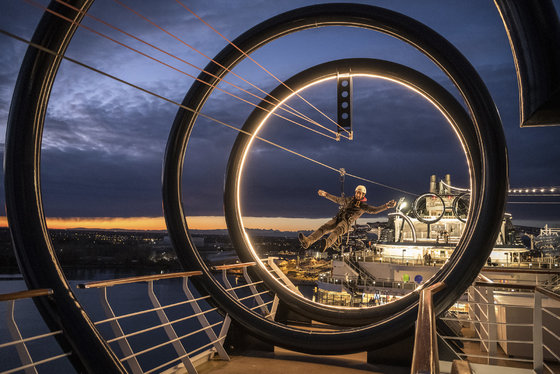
(340, 229)
(324, 229)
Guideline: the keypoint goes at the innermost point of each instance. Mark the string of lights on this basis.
(535, 191)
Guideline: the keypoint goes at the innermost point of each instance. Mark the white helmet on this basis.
(361, 188)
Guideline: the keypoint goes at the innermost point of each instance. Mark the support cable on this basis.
(221, 66)
(32, 2)
(381, 184)
(74, 61)
(259, 65)
(290, 110)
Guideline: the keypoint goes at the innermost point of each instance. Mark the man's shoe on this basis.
(303, 241)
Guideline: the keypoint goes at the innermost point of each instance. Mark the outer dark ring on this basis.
(489, 189)
(442, 99)
(36, 257)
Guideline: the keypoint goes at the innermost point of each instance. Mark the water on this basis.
(123, 299)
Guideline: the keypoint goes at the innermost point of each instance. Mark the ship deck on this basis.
(283, 361)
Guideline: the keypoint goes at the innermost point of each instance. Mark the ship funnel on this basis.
(433, 183)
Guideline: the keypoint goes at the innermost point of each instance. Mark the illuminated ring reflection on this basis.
(488, 178)
(436, 95)
(456, 208)
(420, 217)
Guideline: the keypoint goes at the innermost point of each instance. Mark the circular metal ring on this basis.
(488, 173)
(37, 259)
(426, 87)
(419, 216)
(459, 200)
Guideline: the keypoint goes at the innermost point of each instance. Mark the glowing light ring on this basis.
(488, 177)
(371, 68)
(422, 219)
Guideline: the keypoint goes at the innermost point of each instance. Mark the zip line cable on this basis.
(174, 68)
(290, 110)
(259, 65)
(380, 184)
(227, 69)
(59, 55)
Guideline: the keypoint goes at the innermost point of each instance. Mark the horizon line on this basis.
(208, 223)
(194, 223)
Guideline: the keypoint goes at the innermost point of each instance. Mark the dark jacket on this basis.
(352, 209)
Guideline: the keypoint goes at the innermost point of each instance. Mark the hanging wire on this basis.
(259, 65)
(32, 2)
(74, 61)
(381, 184)
(290, 110)
(227, 69)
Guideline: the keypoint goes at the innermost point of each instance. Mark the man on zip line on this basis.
(351, 209)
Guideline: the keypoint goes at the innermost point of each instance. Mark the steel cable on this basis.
(259, 65)
(74, 61)
(228, 70)
(32, 2)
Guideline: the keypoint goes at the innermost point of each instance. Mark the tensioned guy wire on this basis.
(74, 61)
(223, 67)
(259, 65)
(171, 67)
(290, 110)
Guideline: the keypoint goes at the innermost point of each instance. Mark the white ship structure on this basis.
(375, 264)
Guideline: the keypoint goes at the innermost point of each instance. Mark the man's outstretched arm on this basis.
(378, 209)
(336, 199)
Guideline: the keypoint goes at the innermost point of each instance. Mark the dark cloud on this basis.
(104, 142)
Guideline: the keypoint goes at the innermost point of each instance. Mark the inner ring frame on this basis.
(435, 94)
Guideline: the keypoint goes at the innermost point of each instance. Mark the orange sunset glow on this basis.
(195, 223)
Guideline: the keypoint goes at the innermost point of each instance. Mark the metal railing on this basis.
(254, 300)
(377, 283)
(354, 264)
(20, 343)
(425, 357)
(181, 334)
(532, 339)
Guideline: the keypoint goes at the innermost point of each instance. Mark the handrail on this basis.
(233, 266)
(518, 286)
(484, 278)
(143, 278)
(518, 270)
(548, 293)
(425, 358)
(531, 287)
(26, 294)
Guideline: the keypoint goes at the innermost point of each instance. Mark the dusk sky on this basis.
(104, 142)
